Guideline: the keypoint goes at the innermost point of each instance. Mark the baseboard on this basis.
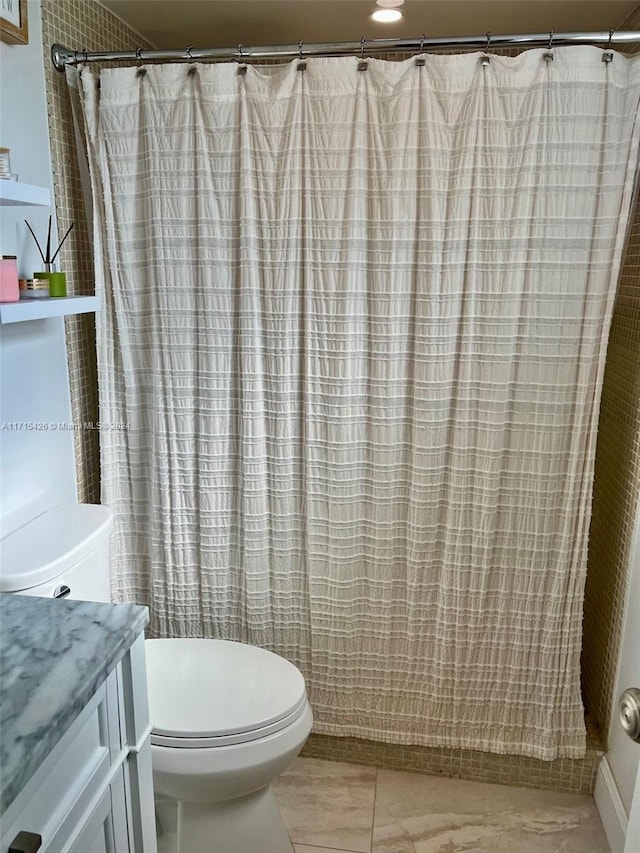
(609, 804)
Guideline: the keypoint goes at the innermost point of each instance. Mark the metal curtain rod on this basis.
(62, 56)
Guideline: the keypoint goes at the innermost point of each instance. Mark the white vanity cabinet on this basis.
(93, 793)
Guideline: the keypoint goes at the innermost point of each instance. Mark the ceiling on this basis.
(225, 23)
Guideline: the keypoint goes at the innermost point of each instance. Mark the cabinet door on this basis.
(106, 830)
(97, 834)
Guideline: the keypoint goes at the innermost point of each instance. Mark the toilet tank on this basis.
(63, 553)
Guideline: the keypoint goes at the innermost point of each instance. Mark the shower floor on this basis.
(330, 807)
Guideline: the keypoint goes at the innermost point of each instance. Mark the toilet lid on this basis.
(217, 688)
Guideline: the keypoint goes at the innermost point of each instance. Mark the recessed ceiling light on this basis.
(386, 16)
(389, 4)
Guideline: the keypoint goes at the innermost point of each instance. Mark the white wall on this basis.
(37, 467)
(24, 129)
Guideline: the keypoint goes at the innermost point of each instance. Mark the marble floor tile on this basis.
(328, 804)
(427, 814)
(304, 848)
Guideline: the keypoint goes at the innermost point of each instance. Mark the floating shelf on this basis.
(40, 309)
(16, 193)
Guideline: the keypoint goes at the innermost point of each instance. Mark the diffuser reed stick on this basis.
(47, 258)
(62, 243)
(37, 244)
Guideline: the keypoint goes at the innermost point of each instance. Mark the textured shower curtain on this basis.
(356, 323)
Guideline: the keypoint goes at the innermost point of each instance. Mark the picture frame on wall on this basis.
(14, 27)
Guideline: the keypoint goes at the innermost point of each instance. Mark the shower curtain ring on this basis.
(84, 55)
(420, 60)
(362, 65)
(608, 55)
(242, 69)
(485, 59)
(188, 57)
(140, 71)
(548, 56)
(301, 62)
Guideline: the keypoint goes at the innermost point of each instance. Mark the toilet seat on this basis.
(228, 740)
(207, 693)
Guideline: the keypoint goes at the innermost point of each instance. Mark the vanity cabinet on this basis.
(93, 793)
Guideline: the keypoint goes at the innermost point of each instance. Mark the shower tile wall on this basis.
(83, 23)
(78, 24)
(571, 775)
(616, 492)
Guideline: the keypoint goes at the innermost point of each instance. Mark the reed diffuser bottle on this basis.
(57, 280)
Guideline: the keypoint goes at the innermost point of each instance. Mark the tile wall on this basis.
(78, 24)
(84, 23)
(616, 492)
(572, 775)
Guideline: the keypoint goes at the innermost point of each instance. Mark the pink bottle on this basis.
(9, 291)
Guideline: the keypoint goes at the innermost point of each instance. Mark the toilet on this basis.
(228, 718)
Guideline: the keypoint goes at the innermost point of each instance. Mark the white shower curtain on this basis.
(356, 324)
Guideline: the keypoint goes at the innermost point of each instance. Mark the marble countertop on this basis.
(54, 654)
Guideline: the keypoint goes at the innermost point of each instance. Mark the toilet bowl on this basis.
(228, 718)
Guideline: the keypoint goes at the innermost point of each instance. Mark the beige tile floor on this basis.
(330, 807)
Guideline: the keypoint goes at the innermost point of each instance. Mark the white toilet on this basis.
(227, 717)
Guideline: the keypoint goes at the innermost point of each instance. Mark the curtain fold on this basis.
(356, 322)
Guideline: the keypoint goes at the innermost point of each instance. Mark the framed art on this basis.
(13, 21)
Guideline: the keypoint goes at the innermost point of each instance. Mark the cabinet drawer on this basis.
(64, 786)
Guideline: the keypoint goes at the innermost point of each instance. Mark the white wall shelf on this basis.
(17, 193)
(40, 309)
